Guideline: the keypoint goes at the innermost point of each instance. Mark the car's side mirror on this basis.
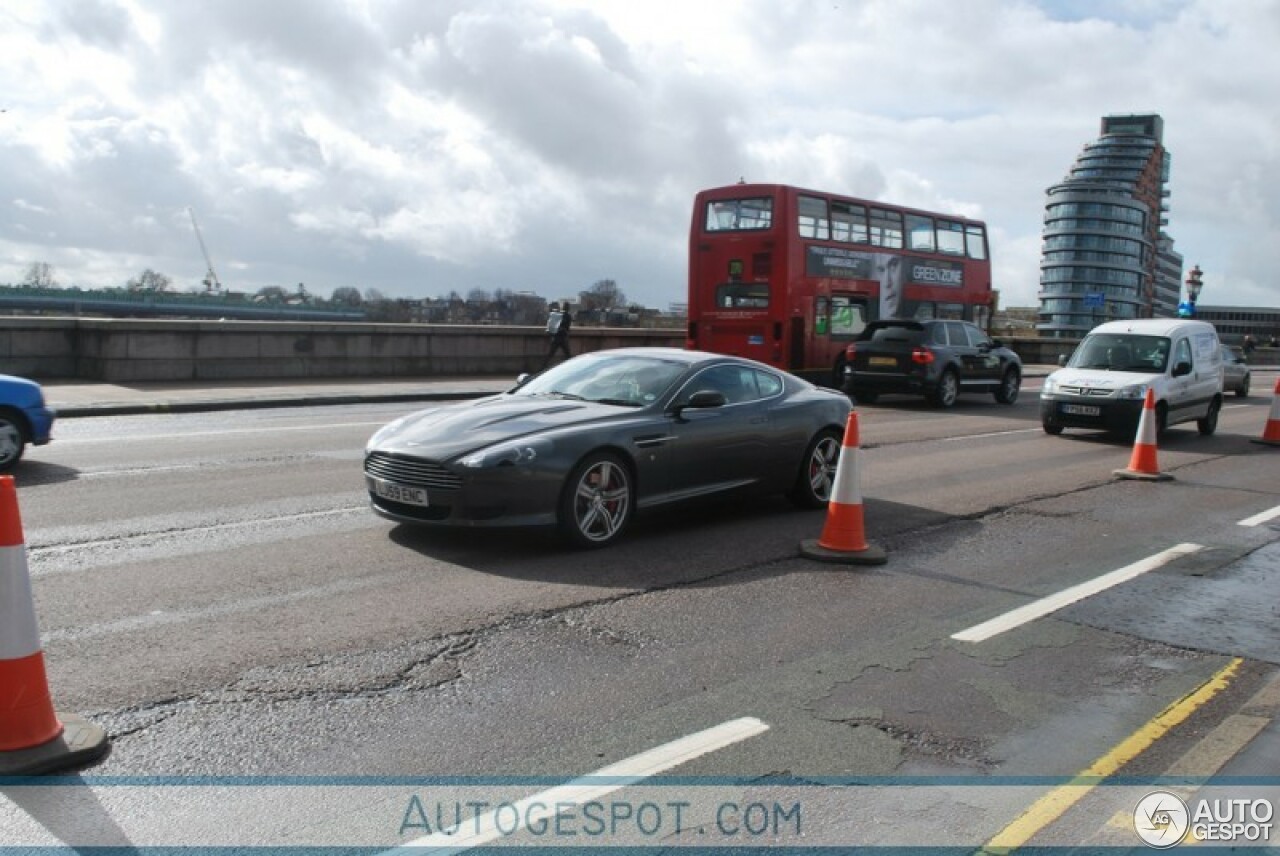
(701, 400)
(1183, 368)
(1062, 360)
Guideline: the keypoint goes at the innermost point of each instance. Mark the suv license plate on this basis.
(1081, 409)
(399, 492)
(881, 361)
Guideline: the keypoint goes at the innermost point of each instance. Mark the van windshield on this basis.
(1122, 352)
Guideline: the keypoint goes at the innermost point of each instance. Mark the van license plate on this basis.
(399, 492)
(1081, 410)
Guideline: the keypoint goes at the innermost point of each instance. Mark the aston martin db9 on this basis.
(585, 445)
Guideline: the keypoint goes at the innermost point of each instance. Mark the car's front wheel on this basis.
(1242, 391)
(947, 390)
(817, 475)
(1053, 429)
(13, 439)
(1209, 423)
(597, 501)
(1010, 384)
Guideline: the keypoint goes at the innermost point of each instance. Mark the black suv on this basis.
(937, 359)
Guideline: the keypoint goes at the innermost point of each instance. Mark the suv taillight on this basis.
(921, 355)
(850, 352)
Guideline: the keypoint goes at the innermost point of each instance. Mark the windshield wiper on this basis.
(621, 402)
(569, 395)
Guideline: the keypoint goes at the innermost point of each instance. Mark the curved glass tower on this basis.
(1103, 249)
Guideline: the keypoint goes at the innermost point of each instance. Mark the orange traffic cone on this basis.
(844, 537)
(1271, 434)
(1142, 464)
(32, 737)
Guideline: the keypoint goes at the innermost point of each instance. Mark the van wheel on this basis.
(1051, 428)
(1162, 419)
(1209, 423)
(1242, 391)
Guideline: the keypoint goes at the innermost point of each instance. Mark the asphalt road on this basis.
(212, 589)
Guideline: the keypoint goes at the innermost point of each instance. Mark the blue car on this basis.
(24, 419)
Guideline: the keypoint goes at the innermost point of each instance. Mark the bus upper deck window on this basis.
(736, 215)
(976, 242)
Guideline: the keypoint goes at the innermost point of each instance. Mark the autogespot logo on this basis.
(1161, 819)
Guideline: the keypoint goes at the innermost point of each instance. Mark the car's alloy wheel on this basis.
(12, 441)
(597, 501)
(1010, 384)
(817, 475)
(948, 389)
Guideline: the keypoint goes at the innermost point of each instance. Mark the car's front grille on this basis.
(415, 472)
(1084, 390)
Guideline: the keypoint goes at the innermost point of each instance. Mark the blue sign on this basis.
(1095, 300)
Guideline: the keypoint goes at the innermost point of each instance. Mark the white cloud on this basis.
(425, 147)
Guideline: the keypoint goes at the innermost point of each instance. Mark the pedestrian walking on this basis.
(559, 322)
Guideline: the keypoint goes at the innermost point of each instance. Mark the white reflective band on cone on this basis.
(19, 632)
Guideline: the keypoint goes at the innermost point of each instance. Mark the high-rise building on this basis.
(1106, 256)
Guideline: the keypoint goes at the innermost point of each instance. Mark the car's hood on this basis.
(1101, 378)
(443, 433)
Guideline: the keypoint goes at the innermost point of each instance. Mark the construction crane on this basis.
(211, 278)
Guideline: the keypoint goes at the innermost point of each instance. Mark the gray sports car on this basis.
(586, 444)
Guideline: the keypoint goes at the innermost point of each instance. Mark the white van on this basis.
(1105, 382)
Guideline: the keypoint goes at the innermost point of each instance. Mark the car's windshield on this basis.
(624, 380)
(1121, 352)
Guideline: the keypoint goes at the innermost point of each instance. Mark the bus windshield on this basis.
(739, 215)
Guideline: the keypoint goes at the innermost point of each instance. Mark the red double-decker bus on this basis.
(790, 276)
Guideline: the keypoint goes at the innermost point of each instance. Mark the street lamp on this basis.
(1188, 309)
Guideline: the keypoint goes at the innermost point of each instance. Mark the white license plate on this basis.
(881, 361)
(399, 492)
(1081, 409)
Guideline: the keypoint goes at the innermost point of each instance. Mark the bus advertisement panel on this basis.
(790, 276)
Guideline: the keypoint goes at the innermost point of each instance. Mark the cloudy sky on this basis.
(423, 146)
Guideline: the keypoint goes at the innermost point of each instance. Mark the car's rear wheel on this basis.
(817, 475)
(1209, 423)
(1242, 391)
(947, 390)
(597, 501)
(13, 439)
(1010, 384)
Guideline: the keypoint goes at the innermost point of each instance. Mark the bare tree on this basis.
(603, 296)
(149, 281)
(347, 296)
(271, 294)
(40, 275)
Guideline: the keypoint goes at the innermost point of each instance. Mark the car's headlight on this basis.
(1138, 391)
(1050, 386)
(517, 453)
